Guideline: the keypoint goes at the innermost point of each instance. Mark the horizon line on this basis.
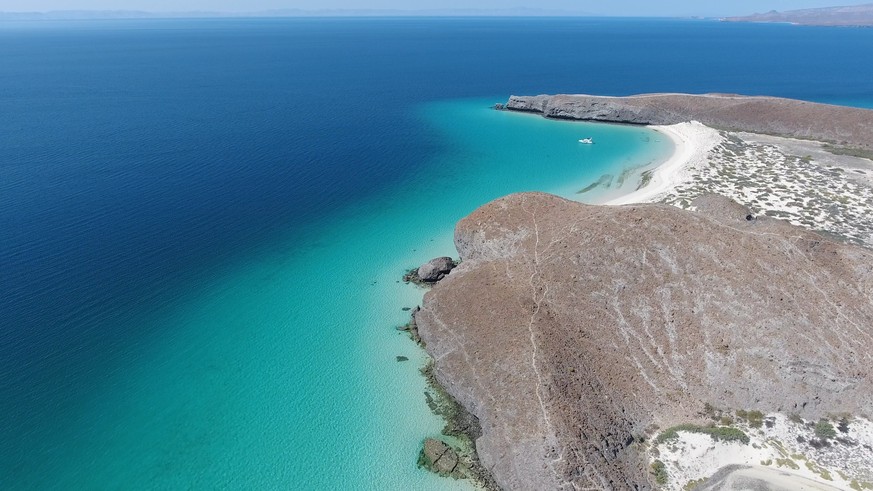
(87, 14)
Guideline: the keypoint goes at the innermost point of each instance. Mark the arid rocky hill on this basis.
(570, 329)
(771, 115)
(854, 15)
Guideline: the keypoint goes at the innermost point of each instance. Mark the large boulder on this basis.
(439, 457)
(436, 269)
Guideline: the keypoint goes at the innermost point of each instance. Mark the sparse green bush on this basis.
(717, 433)
(693, 484)
(821, 471)
(660, 472)
(755, 419)
(824, 430)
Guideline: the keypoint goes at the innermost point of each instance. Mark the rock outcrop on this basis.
(435, 269)
(569, 330)
(439, 457)
(771, 115)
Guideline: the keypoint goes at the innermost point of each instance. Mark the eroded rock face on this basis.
(770, 115)
(569, 329)
(435, 269)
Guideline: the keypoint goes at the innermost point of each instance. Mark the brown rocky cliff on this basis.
(568, 329)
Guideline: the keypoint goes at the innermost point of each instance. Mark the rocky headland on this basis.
(838, 125)
(572, 330)
(648, 346)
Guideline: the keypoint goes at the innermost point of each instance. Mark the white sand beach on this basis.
(693, 141)
(795, 180)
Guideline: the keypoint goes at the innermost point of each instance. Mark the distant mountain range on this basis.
(135, 14)
(857, 15)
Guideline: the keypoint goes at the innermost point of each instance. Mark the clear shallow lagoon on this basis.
(202, 223)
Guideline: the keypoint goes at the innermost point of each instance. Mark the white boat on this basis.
(587, 141)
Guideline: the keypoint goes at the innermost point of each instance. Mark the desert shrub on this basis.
(660, 472)
(824, 429)
(821, 471)
(717, 433)
(693, 484)
(755, 418)
(726, 434)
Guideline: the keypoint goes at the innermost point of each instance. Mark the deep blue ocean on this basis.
(202, 221)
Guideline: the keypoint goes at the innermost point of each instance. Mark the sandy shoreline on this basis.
(799, 181)
(692, 142)
(782, 450)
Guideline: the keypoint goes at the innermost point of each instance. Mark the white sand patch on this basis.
(789, 179)
(692, 141)
(774, 479)
(813, 189)
(843, 461)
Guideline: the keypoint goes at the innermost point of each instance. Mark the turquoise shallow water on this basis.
(284, 366)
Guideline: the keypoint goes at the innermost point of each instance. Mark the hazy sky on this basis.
(611, 7)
